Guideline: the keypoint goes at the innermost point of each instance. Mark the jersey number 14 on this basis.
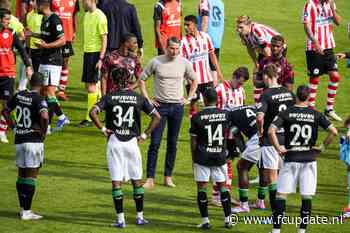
(217, 136)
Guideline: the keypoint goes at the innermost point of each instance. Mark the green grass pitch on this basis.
(74, 191)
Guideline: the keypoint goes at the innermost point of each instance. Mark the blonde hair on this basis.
(245, 19)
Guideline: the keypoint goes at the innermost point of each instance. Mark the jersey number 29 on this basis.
(304, 132)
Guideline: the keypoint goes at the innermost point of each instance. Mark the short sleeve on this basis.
(102, 104)
(189, 72)
(263, 105)
(158, 11)
(147, 107)
(323, 121)
(307, 13)
(210, 44)
(11, 104)
(148, 70)
(278, 121)
(194, 127)
(57, 27)
(42, 105)
(138, 68)
(204, 8)
(105, 64)
(102, 25)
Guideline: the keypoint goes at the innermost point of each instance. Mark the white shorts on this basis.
(124, 159)
(270, 159)
(293, 173)
(204, 173)
(29, 155)
(252, 153)
(52, 74)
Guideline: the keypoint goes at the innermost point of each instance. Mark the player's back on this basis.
(273, 101)
(244, 118)
(123, 113)
(28, 105)
(210, 126)
(301, 132)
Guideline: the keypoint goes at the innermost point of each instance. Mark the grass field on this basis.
(74, 191)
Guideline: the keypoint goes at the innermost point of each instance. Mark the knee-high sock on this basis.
(54, 106)
(117, 195)
(225, 201)
(138, 198)
(332, 90)
(280, 207)
(229, 175)
(257, 94)
(262, 192)
(202, 201)
(272, 195)
(91, 100)
(305, 212)
(64, 79)
(26, 187)
(313, 84)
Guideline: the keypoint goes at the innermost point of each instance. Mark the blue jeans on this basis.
(171, 113)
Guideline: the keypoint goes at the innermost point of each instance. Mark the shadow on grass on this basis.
(79, 176)
(64, 164)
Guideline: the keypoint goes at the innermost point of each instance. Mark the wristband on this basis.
(143, 136)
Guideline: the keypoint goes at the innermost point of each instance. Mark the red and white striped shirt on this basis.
(229, 97)
(320, 17)
(260, 36)
(196, 50)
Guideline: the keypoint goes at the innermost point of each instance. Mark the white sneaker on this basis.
(3, 138)
(241, 209)
(216, 201)
(29, 215)
(333, 115)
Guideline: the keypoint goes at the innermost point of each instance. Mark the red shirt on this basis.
(66, 9)
(169, 14)
(320, 17)
(286, 74)
(7, 57)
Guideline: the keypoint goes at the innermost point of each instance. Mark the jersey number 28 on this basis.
(23, 117)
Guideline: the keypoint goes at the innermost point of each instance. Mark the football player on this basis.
(30, 131)
(274, 99)
(123, 129)
(209, 154)
(300, 124)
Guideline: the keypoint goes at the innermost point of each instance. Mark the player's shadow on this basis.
(77, 175)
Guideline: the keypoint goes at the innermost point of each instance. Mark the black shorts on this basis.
(217, 53)
(90, 73)
(67, 49)
(7, 86)
(318, 64)
(35, 55)
(200, 89)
